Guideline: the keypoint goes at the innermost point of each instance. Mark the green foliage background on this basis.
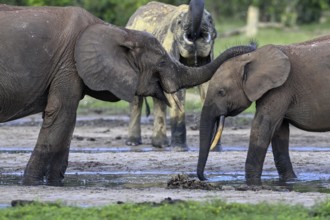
(118, 11)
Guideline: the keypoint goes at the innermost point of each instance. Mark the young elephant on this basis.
(50, 57)
(290, 85)
(187, 33)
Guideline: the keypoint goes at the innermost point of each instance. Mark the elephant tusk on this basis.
(186, 39)
(218, 134)
(177, 102)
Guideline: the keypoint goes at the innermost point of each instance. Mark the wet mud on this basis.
(103, 170)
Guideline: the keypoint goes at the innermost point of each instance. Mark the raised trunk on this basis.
(194, 17)
(192, 76)
(207, 124)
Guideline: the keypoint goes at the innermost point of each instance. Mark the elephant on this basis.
(290, 86)
(51, 57)
(187, 33)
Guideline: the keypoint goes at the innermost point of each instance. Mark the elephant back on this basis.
(156, 18)
(150, 16)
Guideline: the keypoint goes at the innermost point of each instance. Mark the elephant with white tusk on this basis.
(187, 32)
(290, 85)
(51, 57)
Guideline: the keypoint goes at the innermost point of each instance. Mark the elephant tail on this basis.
(147, 107)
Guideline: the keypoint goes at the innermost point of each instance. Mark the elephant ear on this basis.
(101, 56)
(264, 69)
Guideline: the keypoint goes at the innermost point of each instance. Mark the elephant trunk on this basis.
(193, 76)
(195, 16)
(207, 124)
(208, 137)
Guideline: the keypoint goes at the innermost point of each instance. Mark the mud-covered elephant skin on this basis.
(50, 57)
(187, 32)
(290, 85)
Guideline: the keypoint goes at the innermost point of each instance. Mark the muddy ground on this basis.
(103, 170)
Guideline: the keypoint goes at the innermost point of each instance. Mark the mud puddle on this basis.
(120, 180)
(306, 182)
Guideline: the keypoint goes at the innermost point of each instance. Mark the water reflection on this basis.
(306, 182)
(147, 148)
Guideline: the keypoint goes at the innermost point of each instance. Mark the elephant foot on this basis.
(288, 176)
(179, 147)
(133, 141)
(178, 143)
(55, 176)
(36, 169)
(246, 187)
(253, 181)
(32, 181)
(29, 180)
(159, 142)
(58, 182)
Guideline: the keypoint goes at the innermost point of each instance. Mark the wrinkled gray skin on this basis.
(50, 57)
(187, 33)
(290, 85)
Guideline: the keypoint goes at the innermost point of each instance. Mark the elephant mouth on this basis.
(200, 47)
(194, 51)
(162, 97)
(236, 112)
(169, 99)
(206, 37)
(220, 124)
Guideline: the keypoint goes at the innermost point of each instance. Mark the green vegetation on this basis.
(118, 11)
(90, 105)
(268, 35)
(288, 12)
(179, 210)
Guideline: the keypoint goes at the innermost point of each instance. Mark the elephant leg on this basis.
(134, 128)
(178, 123)
(280, 146)
(49, 158)
(159, 138)
(259, 142)
(202, 91)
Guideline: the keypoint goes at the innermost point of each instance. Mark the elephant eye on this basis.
(222, 92)
(162, 63)
(210, 20)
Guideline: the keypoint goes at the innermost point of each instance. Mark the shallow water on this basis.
(306, 182)
(142, 148)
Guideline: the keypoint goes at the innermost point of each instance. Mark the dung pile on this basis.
(182, 181)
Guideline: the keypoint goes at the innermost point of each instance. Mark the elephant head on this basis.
(194, 34)
(235, 85)
(128, 62)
